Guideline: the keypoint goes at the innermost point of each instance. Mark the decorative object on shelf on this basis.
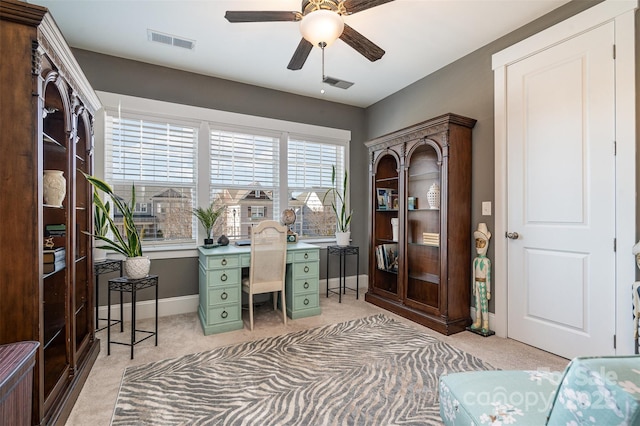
(208, 217)
(343, 219)
(395, 222)
(128, 244)
(288, 218)
(412, 203)
(54, 187)
(48, 243)
(482, 282)
(223, 240)
(433, 196)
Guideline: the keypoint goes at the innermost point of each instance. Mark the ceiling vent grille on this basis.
(170, 40)
(335, 82)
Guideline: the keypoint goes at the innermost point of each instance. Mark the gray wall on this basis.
(179, 277)
(464, 87)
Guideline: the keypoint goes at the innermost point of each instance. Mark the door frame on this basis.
(622, 13)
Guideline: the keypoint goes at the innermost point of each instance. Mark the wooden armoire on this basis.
(46, 120)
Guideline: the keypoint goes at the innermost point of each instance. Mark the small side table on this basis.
(99, 268)
(343, 252)
(130, 285)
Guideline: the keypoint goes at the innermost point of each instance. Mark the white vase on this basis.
(433, 196)
(137, 267)
(394, 227)
(54, 187)
(343, 238)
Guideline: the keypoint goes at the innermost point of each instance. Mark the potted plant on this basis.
(208, 217)
(127, 243)
(101, 229)
(343, 219)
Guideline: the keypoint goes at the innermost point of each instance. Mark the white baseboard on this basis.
(189, 304)
(146, 309)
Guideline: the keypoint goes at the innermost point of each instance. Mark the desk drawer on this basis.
(224, 295)
(222, 314)
(305, 301)
(305, 269)
(223, 277)
(306, 255)
(305, 285)
(222, 261)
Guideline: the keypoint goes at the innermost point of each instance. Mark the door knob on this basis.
(512, 235)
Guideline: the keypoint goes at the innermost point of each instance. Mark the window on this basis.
(310, 166)
(179, 157)
(157, 158)
(245, 174)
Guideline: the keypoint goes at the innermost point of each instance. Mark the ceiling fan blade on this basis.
(362, 44)
(261, 16)
(300, 55)
(353, 6)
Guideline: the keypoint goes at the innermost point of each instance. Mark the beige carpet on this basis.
(181, 335)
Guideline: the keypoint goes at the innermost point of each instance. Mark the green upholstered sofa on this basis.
(591, 391)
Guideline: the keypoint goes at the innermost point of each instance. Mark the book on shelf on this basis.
(55, 229)
(387, 256)
(52, 267)
(53, 255)
(431, 238)
(387, 198)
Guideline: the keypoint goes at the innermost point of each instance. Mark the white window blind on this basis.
(309, 171)
(143, 150)
(159, 158)
(244, 177)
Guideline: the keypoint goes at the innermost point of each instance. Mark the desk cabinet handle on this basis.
(306, 285)
(224, 262)
(224, 314)
(306, 301)
(223, 277)
(224, 295)
(306, 255)
(306, 269)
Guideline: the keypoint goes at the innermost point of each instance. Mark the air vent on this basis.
(342, 84)
(170, 40)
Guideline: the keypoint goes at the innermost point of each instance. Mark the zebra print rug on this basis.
(370, 371)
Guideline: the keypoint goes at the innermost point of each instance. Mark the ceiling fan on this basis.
(313, 12)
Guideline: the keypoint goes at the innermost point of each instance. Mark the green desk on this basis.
(220, 284)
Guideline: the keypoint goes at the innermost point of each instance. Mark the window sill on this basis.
(192, 251)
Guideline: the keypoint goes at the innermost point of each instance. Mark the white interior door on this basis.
(561, 196)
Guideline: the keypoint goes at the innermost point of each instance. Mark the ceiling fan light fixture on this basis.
(321, 27)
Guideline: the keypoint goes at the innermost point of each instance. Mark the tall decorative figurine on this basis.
(482, 282)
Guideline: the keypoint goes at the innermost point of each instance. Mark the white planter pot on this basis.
(137, 267)
(343, 238)
(99, 254)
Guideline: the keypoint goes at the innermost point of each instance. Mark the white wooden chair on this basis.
(268, 264)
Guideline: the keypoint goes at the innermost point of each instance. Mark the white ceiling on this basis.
(419, 37)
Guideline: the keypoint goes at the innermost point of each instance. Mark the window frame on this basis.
(206, 119)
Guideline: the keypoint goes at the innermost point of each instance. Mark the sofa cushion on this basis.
(497, 397)
(599, 391)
